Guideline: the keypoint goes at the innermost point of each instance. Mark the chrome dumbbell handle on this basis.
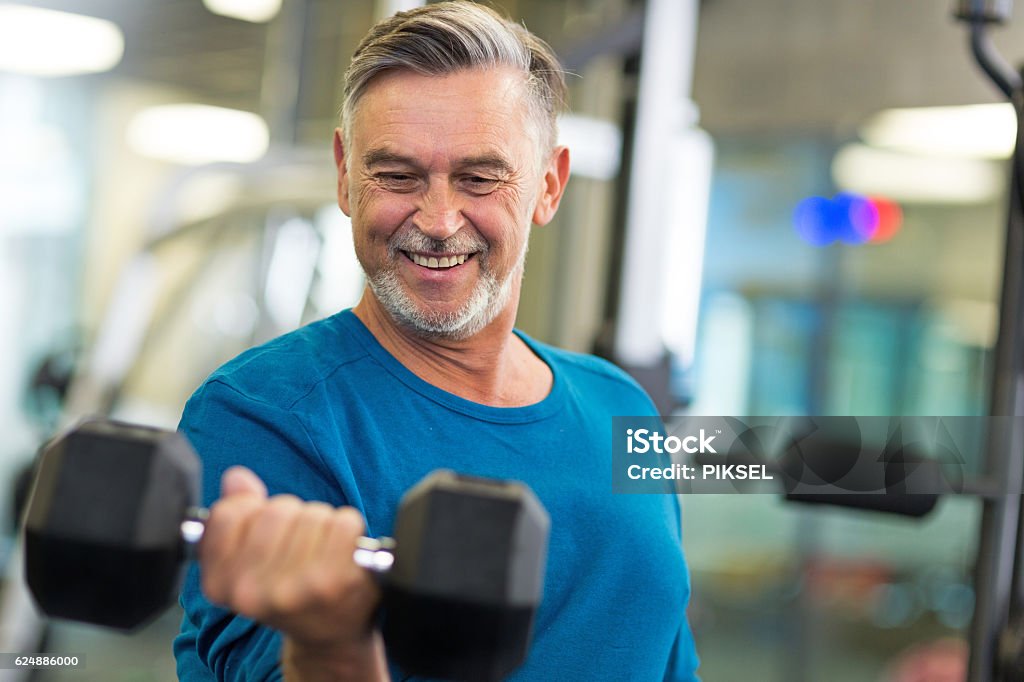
(376, 555)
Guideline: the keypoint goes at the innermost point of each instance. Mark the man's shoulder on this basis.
(590, 372)
(288, 367)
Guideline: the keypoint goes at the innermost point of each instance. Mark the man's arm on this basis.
(684, 662)
(228, 427)
(682, 666)
(364, 663)
(288, 564)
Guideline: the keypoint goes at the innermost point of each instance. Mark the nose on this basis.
(440, 213)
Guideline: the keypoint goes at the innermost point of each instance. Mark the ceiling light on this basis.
(907, 178)
(45, 42)
(195, 134)
(976, 131)
(595, 146)
(256, 11)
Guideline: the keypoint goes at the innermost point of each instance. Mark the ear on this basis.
(556, 175)
(339, 161)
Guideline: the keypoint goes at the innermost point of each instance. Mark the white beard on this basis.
(488, 298)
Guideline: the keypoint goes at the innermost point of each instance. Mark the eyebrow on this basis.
(493, 162)
(490, 161)
(376, 157)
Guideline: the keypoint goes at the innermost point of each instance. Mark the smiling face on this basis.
(442, 177)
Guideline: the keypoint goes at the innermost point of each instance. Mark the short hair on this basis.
(447, 37)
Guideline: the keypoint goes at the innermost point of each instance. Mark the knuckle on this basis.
(315, 515)
(349, 520)
(223, 514)
(318, 509)
(286, 501)
(228, 514)
(280, 509)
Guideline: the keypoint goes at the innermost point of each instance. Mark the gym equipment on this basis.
(997, 629)
(114, 513)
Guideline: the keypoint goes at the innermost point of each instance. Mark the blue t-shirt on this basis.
(326, 413)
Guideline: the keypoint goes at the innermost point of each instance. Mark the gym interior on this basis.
(167, 200)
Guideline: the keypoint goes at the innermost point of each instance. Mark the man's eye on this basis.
(397, 181)
(479, 184)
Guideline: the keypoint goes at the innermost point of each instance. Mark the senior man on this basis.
(446, 156)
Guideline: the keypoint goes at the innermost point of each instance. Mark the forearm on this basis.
(365, 662)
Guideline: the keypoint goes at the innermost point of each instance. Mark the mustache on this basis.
(414, 240)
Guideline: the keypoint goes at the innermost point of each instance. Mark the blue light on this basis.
(848, 218)
(811, 221)
(861, 218)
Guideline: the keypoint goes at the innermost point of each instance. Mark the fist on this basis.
(287, 564)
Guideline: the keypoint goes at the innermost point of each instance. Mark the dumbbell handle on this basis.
(376, 555)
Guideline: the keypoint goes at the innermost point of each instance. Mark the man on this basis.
(445, 157)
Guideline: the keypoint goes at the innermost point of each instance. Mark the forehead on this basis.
(470, 111)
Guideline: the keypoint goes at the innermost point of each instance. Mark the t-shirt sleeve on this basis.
(227, 427)
(683, 664)
(683, 661)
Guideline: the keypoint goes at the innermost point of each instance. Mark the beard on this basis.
(488, 298)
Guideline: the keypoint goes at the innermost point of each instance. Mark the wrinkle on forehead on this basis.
(384, 157)
(472, 113)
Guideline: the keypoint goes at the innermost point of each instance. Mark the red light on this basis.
(890, 219)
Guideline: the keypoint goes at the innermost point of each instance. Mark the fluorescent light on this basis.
(595, 146)
(916, 179)
(686, 211)
(196, 134)
(340, 281)
(207, 194)
(290, 272)
(976, 131)
(386, 8)
(39, 181)
(45, 42)
(256, 11)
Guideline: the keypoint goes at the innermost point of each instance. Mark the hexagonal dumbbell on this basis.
(114, 514)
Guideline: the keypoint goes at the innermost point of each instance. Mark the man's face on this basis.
(442, 179)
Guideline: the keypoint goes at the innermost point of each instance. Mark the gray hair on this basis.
(443, 38)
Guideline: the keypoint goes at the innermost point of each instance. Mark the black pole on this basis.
(996, 586)
(997, 578)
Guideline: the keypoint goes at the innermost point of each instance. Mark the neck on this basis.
(493, 367)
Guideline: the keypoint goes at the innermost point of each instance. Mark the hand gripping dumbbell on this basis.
(114, 513)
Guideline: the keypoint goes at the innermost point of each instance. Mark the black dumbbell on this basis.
(114, 513)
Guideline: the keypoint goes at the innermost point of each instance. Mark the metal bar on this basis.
(997, 588)
(283, 72)
(1005, 78)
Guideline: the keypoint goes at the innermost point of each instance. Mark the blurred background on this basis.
(167, 200)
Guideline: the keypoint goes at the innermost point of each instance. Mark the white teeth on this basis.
(435, 263)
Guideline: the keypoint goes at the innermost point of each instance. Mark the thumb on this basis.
(241, 481)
